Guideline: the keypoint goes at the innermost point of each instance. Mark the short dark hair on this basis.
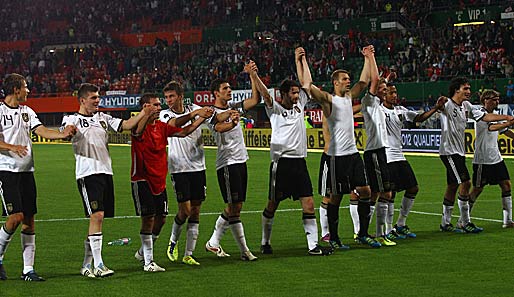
(335, 74)
(455, 84)
(146, 98)
(174, 86)
(287, 84)
(12, 81)
(215, 85)
(87, 88)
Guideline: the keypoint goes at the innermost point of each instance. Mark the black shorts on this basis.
(189, 186)
(146, 203)
(341, 174)
(232, 180)
(489, 174)
(402, 176)
(289, 177)
(97, 193)
(18, 193)
(377, 170)
(456, 170)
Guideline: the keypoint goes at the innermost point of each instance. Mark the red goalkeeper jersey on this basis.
(149, 157)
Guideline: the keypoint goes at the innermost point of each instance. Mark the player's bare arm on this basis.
(44, 132)
(255, 98)
(132, 122)
(439, 105)
(259, 86)
(20, 150)
(226, 125)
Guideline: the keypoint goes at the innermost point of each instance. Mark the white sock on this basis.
(88, 255)
(389, 217)
(154, 239)
(371, 212)
(355, 216)
(220, 228)
(28, 244)
(147, 244)
(176, 229)
(5, 238)
(239, 235)
(95, 242)
(381, 210)
(323, 220)
(267, 225)
(407, 203)
(464, 209)
(311, 230)
(447, 214)
(507, 209)
(192, 237)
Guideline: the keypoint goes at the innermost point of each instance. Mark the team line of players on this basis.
(342, 171)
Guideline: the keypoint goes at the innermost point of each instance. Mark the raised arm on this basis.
(364, 78)
(373, 71)
(255, 99)
(257, 84)
(302, 68)
(133, 121)
(439, 105)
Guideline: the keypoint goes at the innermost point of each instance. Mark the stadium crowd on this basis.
(421, 54)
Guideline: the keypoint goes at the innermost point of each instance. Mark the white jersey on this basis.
(486, 144)
(374, 121)
(340, 125)
(90, 142)
(231, 145)
(15, 128)
(184, 154)
(453, 123)
(394, 124)
(288, 135)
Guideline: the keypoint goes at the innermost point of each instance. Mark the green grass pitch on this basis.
(434, 264)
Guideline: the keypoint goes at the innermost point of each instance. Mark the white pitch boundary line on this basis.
(260, 211)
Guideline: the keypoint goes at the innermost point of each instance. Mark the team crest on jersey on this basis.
(94, 205)
(297, 109)
(9, 207)
(104, 124)
(25, 116)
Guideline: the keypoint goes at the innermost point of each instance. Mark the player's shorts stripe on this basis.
(273, 179)
(324, 180)
(333, 180)
(378, 173)
(3, 199)
(135, 188)
(85, 196)
(227, 183)
(479, 176)
(454, 169)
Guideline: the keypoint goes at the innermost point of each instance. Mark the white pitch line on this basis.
(260, 211)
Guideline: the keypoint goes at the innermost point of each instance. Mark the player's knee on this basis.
(16, 219)
(412, 191)
(506, 186)
(364, 192)
(97, 217)
(307, 204)
(465, 186)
